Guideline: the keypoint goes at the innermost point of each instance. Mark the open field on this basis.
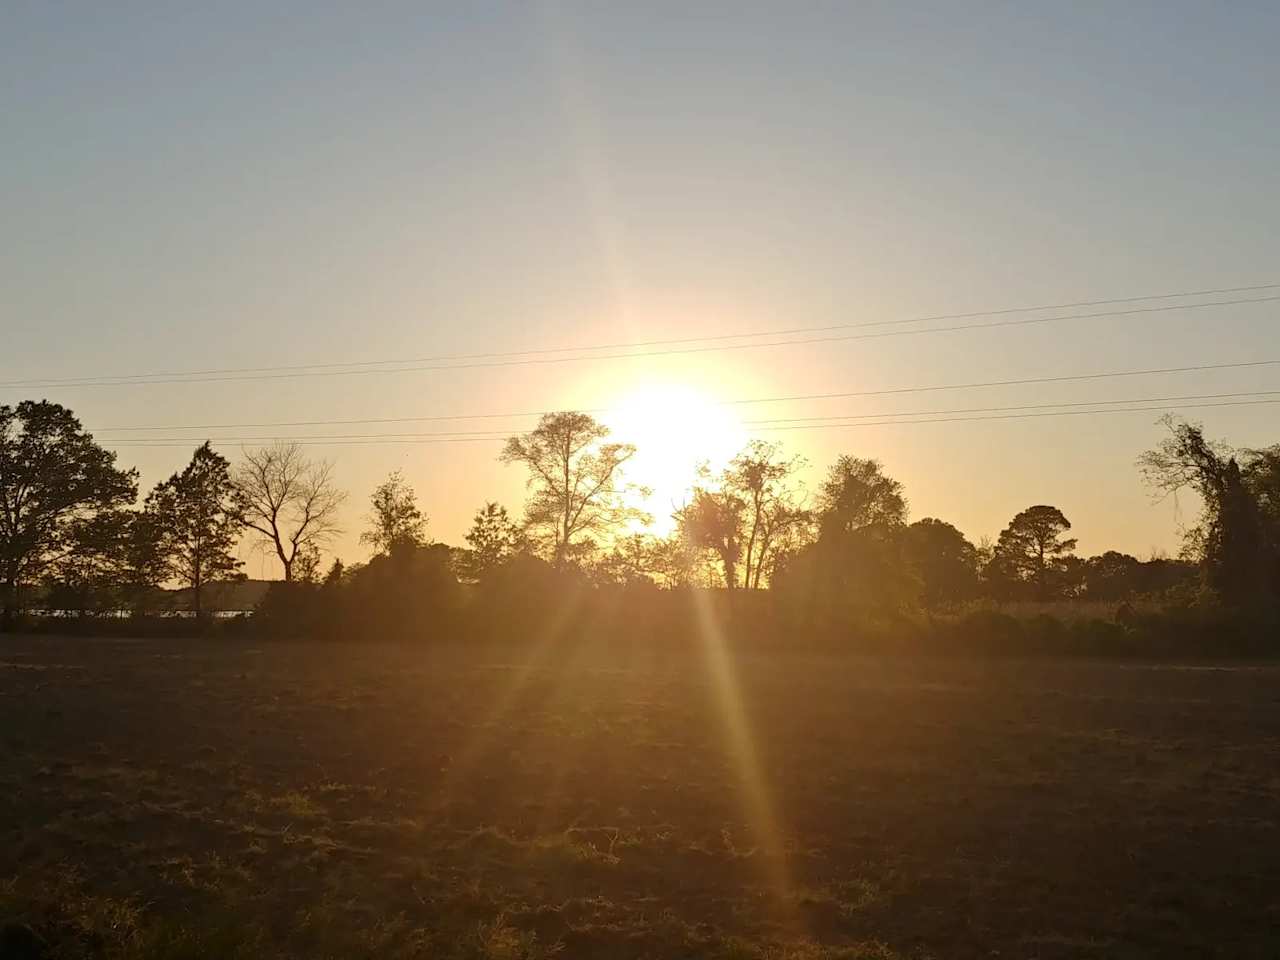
(198, 799)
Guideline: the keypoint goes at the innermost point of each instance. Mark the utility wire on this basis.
(233, 374)
(1026, 416)
(785, 331)
(1024, 406)
(935, 416)
(889, 391)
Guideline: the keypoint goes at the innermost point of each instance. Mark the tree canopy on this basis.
(1032, 549)
(195, 516)
(575, 483)
(53, 477)
(394, 518)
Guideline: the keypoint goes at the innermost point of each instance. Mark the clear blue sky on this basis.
(187, 186)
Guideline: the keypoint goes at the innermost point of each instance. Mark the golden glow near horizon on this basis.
(675, 427)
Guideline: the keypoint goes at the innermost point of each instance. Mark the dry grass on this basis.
(166, 800)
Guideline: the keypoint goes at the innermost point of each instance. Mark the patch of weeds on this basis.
(297, 805)
(499, 940)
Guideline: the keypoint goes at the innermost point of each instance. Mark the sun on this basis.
(674, 427)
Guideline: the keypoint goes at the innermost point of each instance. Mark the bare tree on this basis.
(288, 500)
(574, 481)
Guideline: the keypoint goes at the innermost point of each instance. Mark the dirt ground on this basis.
(210, 798)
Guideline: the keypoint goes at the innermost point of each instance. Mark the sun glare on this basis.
(674, 427)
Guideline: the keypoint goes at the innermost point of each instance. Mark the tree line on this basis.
(74, 534)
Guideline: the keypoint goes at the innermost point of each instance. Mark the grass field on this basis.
(202, 799)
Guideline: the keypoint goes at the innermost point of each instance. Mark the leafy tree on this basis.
(52, 476)
(575, 482)
(1229, 538)
(856, 494)
(857, 563)
(196, 516)
(675, 562)
(394, 518)
(1261, 470)
(713, 521)
(492, 539)
(91, 572)
(632, 560)
(765, 483)
(410, 592)
(144, 565)
(289, 501)
(306, 564)
(1112, 576)
(1032, 548)
(945, 561)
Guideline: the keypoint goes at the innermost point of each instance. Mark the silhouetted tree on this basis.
(394, 517)
(196, 517)
(89, 574)
(675, 562)
(410, 592)
(1228, 538)
(857, 564)
(492, 540)
(306, 564)
(144, 566)
(52, 475)
(772, 507)
(1112, 576)
(575, 482)
(856, 493)
(637, 559)
(289, 501)
(1262, 476)
(713, 521)
(1031, 549)
(946, 562)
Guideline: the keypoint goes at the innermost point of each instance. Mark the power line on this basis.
(779, 332)
(1027, 416)
(935, 416)
(889, 391)
(1024, 406)
(241, 374)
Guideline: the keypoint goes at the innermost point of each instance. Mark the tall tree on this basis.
(575, 482)
(857, 493)
(1033, 547)
(52, 475)
(1228, 539)
(492, 539)
(765, 481)
(945, 561)
(394, 518)
(713, 521)
(289, 501)
(196, 516)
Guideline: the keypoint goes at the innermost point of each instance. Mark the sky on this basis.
(189, 187)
